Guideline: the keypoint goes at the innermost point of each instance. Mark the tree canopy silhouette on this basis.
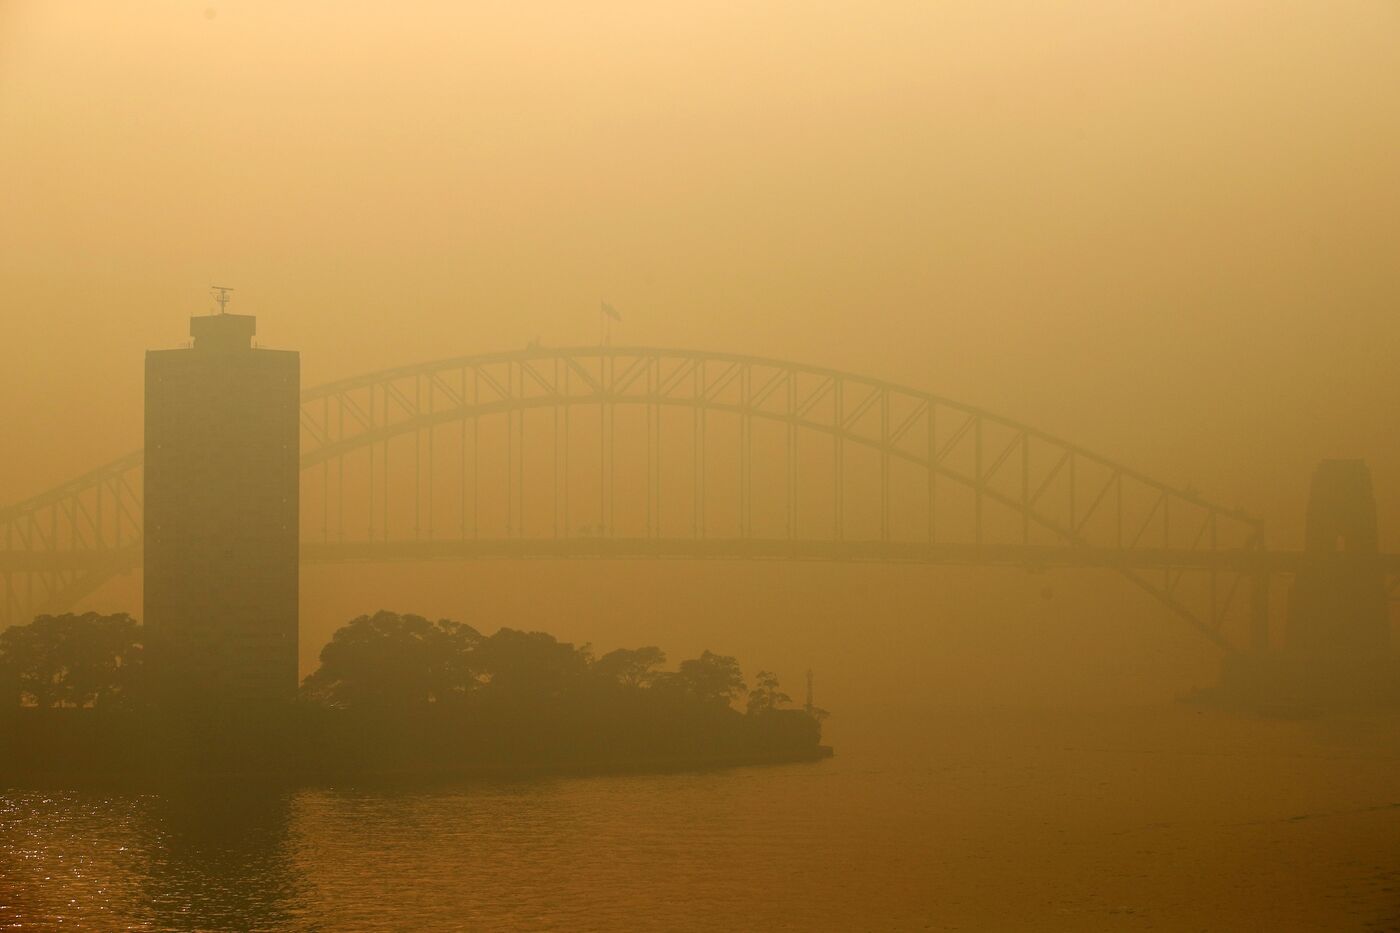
(389, 660)
(533, 664)
(394, 694)
(765, 697)
(630, 667)
(712, 679)
(72, 661)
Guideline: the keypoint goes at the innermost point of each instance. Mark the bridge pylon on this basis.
(1338, 602)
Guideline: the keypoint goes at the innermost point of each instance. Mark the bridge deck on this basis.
(1031, 556)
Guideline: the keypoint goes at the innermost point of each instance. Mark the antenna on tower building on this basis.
(221, 296)
(810, 707)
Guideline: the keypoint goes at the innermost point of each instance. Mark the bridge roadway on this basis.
(544, 424)
(1034, 557)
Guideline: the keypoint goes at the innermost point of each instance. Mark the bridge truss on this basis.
(634, 452)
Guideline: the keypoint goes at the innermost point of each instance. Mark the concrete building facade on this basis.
(221, 516)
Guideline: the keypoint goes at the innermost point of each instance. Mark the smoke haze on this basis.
(1164, 232)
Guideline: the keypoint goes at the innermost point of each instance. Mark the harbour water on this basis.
(1164, 818)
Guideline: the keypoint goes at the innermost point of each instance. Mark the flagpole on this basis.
(606, 315)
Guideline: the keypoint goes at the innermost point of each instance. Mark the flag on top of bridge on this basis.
(611, 312)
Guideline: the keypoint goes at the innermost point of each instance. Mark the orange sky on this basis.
(1165, 231)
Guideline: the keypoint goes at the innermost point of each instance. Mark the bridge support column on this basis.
(1338, 601)
(1259, 612)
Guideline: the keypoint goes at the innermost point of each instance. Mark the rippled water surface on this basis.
(1162, 820)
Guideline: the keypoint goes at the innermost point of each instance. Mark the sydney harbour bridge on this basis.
(644, 453)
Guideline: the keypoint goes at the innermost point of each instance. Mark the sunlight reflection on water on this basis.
(1031, 827)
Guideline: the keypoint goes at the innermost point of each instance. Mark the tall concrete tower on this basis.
(221, 523)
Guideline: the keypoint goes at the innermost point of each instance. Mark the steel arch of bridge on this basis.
(938, 481)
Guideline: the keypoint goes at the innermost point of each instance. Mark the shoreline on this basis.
(25, 779)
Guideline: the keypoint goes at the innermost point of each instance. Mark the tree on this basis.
(766, 697)
(529, 663)
(630, 667)
(72, 660)
(710, 678)
(389, 660)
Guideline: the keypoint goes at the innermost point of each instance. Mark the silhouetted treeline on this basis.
(394, 694)
(72, 661)
(443, 692)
